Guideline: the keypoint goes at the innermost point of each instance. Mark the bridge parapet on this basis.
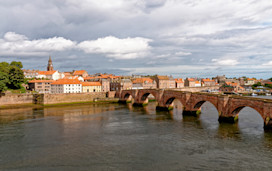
(228, 106)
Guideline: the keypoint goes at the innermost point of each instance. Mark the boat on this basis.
(253, 94)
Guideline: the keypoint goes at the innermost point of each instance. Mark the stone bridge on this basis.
(228, 107)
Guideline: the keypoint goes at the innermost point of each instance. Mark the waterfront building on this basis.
(208, 82)
(179, 83)
(123, 84)
(40, 86)
(164, 82)
(105, 85)
(88, 87)
(144, 83)
(66, 86)
(190, 82)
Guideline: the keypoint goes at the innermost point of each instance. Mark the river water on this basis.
(123, 137)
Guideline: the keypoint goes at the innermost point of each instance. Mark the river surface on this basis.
(122, 137)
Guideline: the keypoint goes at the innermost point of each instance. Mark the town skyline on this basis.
(140, 37)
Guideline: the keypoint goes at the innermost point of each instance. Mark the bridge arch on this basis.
(146, 94)
(197, 105)
(236, 110)
(170, 100)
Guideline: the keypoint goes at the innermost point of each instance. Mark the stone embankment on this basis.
(49, 99)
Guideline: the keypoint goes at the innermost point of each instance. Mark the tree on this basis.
(17, 64)
(16, 77)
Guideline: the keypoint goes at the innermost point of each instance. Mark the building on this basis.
(164, 82)
(105, 85)
(88, 87)
(123, 84)
(30, 73)
(231, 87)
(80, 73)
(208, 82)
(50, 65)
(144, 83)
(51, 75)
(40, 86)
(249, 81)
(179, 83)
(66, 86)
(189, 82)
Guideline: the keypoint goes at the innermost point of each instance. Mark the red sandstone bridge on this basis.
(228, 107)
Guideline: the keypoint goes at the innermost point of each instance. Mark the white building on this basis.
(51, 75)
(66, 86)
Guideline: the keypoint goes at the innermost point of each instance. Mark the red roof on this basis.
(41, 81)
(207, 80)
(46, 72)
(91, 84)
(67, 81)
(79, 72)
(179, 80)
(142, 80)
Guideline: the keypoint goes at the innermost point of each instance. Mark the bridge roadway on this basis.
(228, 107)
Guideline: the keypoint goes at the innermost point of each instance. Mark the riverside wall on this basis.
(44, 99)
(14, 99)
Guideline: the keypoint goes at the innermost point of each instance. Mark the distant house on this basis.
(144, 83)
(190, 82)
(208, 82)
(66, 86)
(249, 81)
(30, 73)
(105, 85)
(91, 87)
(231, 87)
(51, 75)
(40, 86)
(179, 83)
(80, 73)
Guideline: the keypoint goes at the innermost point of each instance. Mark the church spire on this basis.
(50, 65)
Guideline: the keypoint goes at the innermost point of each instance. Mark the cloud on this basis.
(268, 63)
(16, 44)
(112, 47)
(225, 62)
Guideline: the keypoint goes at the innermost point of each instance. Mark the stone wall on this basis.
(13, 99)
(69, 98)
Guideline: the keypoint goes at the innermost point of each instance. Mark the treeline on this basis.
(11, 75)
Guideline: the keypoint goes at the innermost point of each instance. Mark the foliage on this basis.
(268, 85)
(11, 75)
(256, 85)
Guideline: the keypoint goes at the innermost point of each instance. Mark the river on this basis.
(123, 137)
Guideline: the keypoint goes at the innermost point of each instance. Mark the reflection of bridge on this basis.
(228, 107)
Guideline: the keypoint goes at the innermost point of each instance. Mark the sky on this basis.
(182, 38)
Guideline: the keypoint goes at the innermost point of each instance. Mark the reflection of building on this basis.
(91, 87)
(41, 86)
(66, 86)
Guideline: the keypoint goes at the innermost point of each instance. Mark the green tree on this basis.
(17, 64)
(16, 77)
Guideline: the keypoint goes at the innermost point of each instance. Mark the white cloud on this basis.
(16, 44)
(268, 63)
(112, 47)
(225, 62)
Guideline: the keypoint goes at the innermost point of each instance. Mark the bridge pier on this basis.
(191, 112)
(228, 119)
(140, 104)
(268, 124)
(164, 108)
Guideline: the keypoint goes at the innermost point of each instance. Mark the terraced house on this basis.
(66, 86)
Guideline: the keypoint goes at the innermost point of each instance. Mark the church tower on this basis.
(50, 65)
